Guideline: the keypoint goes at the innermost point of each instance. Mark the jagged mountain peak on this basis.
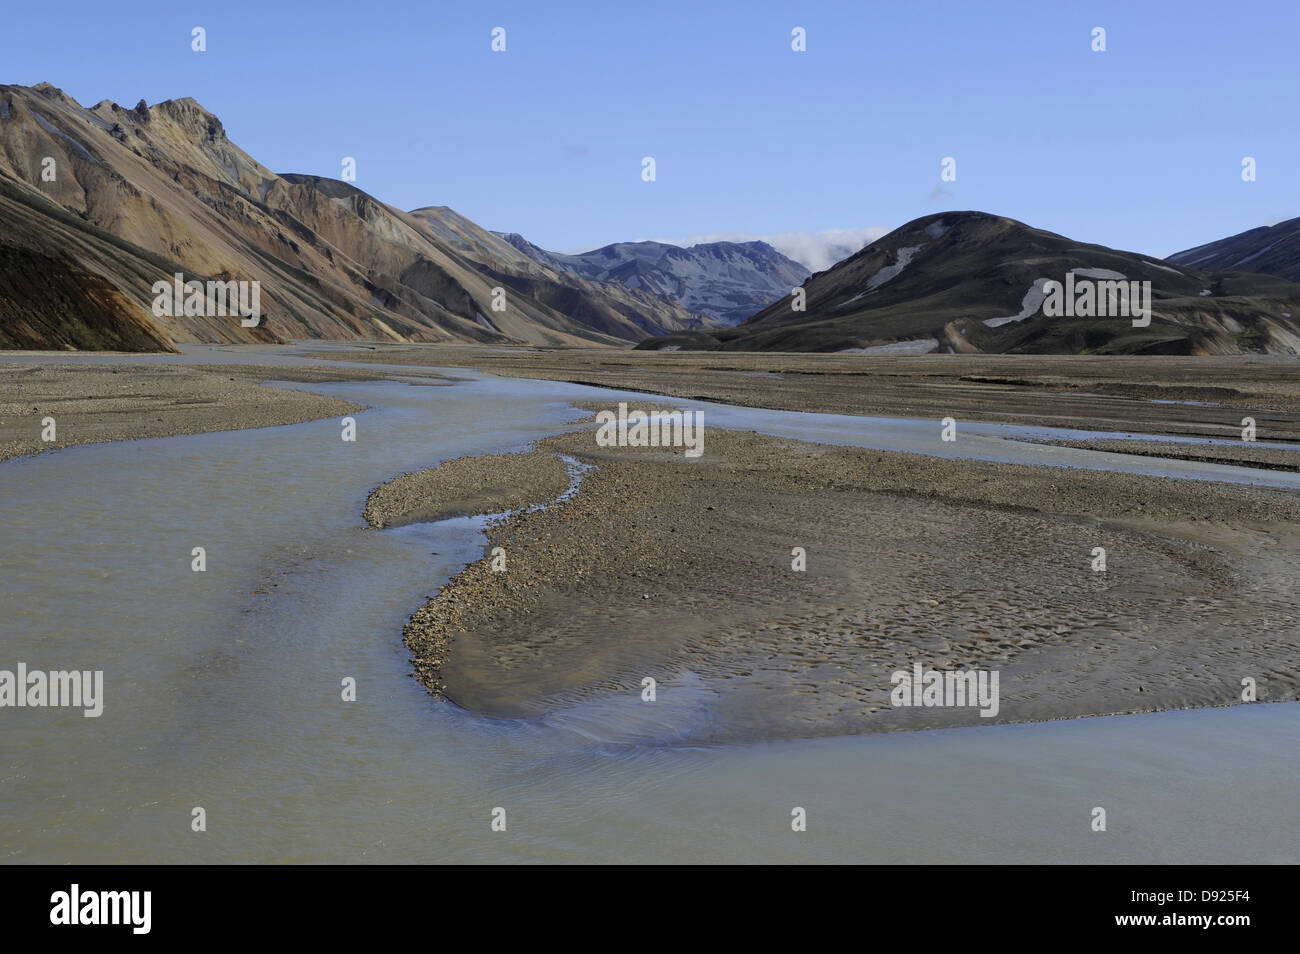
(50, 91)
(141, 194)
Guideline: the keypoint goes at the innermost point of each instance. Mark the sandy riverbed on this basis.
(1096, 393)
(113, 402)
(681, 570)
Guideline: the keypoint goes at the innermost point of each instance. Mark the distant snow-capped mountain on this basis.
(725, 280)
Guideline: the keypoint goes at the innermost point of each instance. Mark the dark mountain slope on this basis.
(1269, 250)
(972, 282)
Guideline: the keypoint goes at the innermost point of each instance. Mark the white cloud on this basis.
(815, 251)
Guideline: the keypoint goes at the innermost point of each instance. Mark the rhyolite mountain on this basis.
(97, 204)
(1269, 250)
(728, 281)
(970, 282)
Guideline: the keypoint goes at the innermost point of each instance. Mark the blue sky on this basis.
(1139, 147)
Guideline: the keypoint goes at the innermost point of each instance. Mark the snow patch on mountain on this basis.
(916, 346)
(1102, 274)
(1029, 305)
(891, 271)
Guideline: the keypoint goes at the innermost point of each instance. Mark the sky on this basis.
(1139, 147)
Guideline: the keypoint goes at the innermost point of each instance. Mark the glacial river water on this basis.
(222, 688)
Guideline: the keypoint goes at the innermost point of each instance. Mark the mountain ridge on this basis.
(332, 261)
(1267, 250)
(969, 282)
(728, 281)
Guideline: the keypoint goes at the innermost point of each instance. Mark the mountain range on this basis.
(97, 204)
(728, 281)
(970, 282)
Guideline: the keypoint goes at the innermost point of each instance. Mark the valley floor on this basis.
(1201, 397)
(681, 569)
(133, 398)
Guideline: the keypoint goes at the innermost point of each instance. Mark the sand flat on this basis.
(680, 571)
(91, 403)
